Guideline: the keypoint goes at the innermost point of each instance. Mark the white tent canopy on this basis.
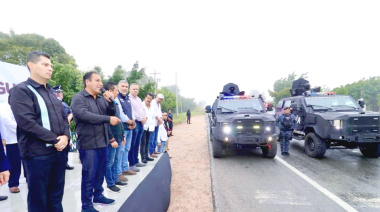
(10, 75)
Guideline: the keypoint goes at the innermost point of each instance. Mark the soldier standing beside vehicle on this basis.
(287, 123)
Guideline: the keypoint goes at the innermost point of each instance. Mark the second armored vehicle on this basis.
(326, 120)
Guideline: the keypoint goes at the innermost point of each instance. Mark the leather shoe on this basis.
(153, 156)
(122, 178)
(144, 161)
(150, 159)
(104, 200)
(129, 172)
(14, 190)
(69, 167)
(92, 209)
(140, 165)
(135, 169)
(3, 198)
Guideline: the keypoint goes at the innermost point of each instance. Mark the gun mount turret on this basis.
(300, 86)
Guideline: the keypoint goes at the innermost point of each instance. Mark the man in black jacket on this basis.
(93, 114)
(42, 133)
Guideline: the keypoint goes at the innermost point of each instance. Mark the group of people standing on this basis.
(111, 129)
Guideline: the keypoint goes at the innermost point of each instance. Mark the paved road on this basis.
(245, 181)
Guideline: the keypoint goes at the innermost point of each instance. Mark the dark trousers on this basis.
(285, 138)
(144, 147)
(171, 126)
(46, 181)
(153, 140)
(93, 172)
(188, 119)
(13, 154)
(133, 155)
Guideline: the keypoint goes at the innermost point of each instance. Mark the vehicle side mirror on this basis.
(361, 103)
(295, 107)
(208, 109)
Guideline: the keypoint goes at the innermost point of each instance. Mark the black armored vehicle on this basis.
(240, 121)
(327, 120)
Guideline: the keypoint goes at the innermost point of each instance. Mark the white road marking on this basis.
(280, 198)
(330, 195)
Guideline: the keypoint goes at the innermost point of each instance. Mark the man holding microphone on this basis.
(93, 113)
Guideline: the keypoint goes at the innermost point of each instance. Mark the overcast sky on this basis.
(211, 43)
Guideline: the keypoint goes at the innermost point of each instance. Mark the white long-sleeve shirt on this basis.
(157, 108)
(162, 133)
(8, 125)
(150, 113)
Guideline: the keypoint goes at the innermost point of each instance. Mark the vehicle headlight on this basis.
(337, 124)
(267, 129)
(256, 127)
(227, 129)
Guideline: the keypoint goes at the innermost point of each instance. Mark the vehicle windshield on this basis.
(240, 104)
(332, 103)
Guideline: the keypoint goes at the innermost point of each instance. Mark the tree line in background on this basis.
(368, 89)
(14, 49)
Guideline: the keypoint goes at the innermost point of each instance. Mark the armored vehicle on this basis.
(240, 121)
(327, 120)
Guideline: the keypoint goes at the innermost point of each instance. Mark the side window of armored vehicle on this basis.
(279, 106)
(287, 103)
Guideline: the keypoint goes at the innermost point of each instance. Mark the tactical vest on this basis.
(287, 122)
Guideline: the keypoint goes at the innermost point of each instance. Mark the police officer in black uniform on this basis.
(67, 110)
(287, 123)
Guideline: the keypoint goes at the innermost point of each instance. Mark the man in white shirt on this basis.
(149, 127)
(156, 105)
(8, 131)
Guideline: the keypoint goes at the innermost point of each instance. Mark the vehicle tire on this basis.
(315, 147)
(270, 152)
(217, 148)
(370, 150)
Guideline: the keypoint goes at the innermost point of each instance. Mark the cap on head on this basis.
(58, 88)
(160, 96)
(287, 108)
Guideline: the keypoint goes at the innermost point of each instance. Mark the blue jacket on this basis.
(280, 123)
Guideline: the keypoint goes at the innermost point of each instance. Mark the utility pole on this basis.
(156, 80)
(180, 101)
(176, 94)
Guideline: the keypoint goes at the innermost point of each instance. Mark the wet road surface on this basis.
(245, 181)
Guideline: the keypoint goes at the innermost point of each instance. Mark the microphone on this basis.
(113, 100)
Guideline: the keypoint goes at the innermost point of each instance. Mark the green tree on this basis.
(368, 89)
(282, 86)
(145, 83)
(169, 101)
(118, 74)
(14, 48)
(69, 78)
